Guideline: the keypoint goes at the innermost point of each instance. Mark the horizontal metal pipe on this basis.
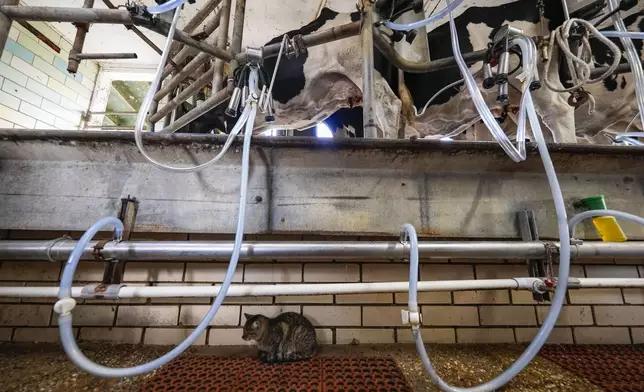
(622, 68)
(196, 21)
(421, 67)
(81, 15)
(314, 39)
(182, 54)
(245, 290)
(59, 250)
(67, 14)
(114, 113)
(106, 56)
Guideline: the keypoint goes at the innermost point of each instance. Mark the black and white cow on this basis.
(325, 85)
(475, 25)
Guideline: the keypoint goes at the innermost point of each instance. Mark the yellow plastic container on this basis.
(609, 229)
(607, 226)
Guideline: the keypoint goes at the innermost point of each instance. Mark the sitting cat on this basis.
(287, 337)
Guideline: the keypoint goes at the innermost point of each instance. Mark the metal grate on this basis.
(332, 374)
(612, 367)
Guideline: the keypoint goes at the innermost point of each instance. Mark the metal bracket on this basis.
(295, 47)
(255, 55)
(409, 317)
(113, 272)
(101, 291)
(529, 232)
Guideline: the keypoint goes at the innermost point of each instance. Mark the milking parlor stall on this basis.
(321, 195)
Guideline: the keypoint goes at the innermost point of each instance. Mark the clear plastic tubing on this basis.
(421, 23)
(65, 304)
(65, 319)
(632, 55)
(624, 34)
(560, 292)
(562, 284)
(168, 6)
(147, 102)
(593, 213)
(629, 137)
(516, 154)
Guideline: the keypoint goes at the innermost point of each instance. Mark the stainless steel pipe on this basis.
(366, 35)
(59, 250)
(106, 56)
(222, 40)
(400, 62)
(318, 38)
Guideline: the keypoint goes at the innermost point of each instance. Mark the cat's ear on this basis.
(247, 315)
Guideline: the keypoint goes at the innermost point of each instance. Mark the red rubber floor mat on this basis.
(616, 368)
(332, 374)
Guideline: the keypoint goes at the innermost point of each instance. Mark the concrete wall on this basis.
(501, 316)
(35, 89)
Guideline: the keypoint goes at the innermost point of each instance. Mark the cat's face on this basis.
(254, 327)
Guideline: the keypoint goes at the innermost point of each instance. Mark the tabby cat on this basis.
(287, 337)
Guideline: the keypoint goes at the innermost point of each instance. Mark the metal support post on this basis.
(5, 23)
(222, 39)
(79, 41)
(529, 232)
(368, 115)
(113, 273)
(238, 31)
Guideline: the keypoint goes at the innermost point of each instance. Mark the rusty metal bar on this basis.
(106, 56)
(5, 22)
(79, 41)
(209, 28)
(186, 71)
(238, 31)
(139, 33)
(195, 22)
(81, 15)
(222, 39)
(188, 92)
(319, 38)
(215, 100)
(42, 37)
(66, 14)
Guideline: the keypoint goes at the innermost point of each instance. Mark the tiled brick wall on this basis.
(35, 89)
(500, 316)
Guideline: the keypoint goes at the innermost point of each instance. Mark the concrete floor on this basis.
(44, 367)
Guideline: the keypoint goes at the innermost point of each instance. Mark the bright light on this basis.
(322, 130)
(270, 132)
